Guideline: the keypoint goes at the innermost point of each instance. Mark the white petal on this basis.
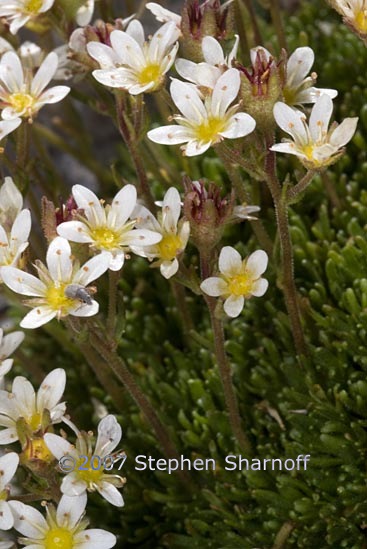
(89, 202)
(225, 91)
(70, 509)
(109, 435)
(53, 95)
(212, 51)
(76, 231)
(163, 15)
(230, 261)
(233, 305)
(44, 74)
(37, 317)
(27, 520)
(7, 436)
(72, 485)
(85, 13)
(94, 539)
(5, 367)
(239, 125)
(85, 310)
(169, 268)
(25, 396)
(8, 466)
(344, 132)
(21, 226)
(264, 53)
(194, 148)
(171, 209)
(6, 516)
(11, 72)
(259, 287)
(214, 286)
(128, 49)
(299, 65)
(92, 269)
(170, 135)
(287, 148)
(21, 282)
(103, 54)
(311, 95)
(187, 100)
(58, 446)
(290, 121)
(142, 237)
(51, 389)
(136, 31)
(122, 206)
(110, 493)
(10, 197)
(117, 261)
(9, 343)
(320, 117)
(58, 260)
(162, 42)
(256, 264)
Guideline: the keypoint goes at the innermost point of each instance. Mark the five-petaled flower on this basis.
(50, 291)
(37, 410)
(19, 12)
(314, 144)
(205, 123)
(174, 233)
(22, 95)
(132, 63)
(64, 527)
(108, 228)
(239, 279)
(86, 477)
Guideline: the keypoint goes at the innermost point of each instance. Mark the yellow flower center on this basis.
(59, 538)
(360, 21)
(21, 101)
(169, 246)
(240, 285)
(34, 421)
(209, 130)
(57, 299)
(87, 473)
(308, 151)
(33, 6)
(37, 449)
(105, 238)
(3, 495)
(150, 73)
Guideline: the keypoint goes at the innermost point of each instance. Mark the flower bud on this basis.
(261, 86)
(207, 212)
(208, 19)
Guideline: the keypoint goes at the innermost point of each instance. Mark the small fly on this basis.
(83, 294)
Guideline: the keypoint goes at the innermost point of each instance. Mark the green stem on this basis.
(255, 27)
(289, 287)
(294, 192)
(224, 367)
(330, 191)
(113, 278)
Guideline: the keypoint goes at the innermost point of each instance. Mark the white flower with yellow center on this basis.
(19, 12)
(205, 123)
(215, 63)
(175, 233)
(21, 94)
(52, 292)
(8, 344)
(8, 466)
(63, 528)
(354, 13)
(35, 409)
(314, 143)
(85, 477)
(299, 88)
(132, 63)
(239, 279)
(107, 228)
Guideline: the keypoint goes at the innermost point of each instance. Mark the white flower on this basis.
(314, 144)
(21, 96)
(19, 12)
(354, 13)
(8, 466)
(215, 63)
(82, 479)
(133, 64)
(174, 234)
(299, 89)
(204, 124)
(107, 228)
(34, 408)
(85, 13)
(8, 344)
(8, 126)
(239, 279)
(50, 289)
(162, 14)
(63, 527)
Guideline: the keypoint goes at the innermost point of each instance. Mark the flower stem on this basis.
(113, 278)
(289, 287)
(294, 192)
(225, 368)
(276, 17)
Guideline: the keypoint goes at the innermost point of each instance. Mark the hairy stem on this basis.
(294, 192)
(276, 17)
